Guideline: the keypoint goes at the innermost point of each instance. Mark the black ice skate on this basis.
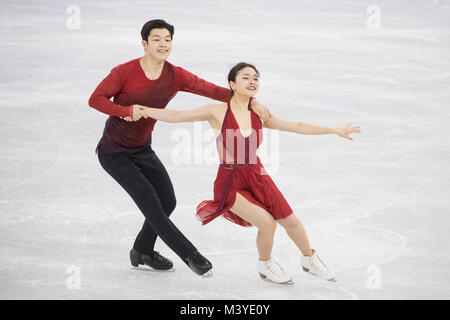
(154, 260)
(198, 263)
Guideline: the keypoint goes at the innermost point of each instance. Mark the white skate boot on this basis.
(271, 270)
(315, 266)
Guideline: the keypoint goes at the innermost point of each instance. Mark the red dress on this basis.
(241, 171)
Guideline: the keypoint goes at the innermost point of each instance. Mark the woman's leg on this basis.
(294, 229)
(310, 261)
(259, 218)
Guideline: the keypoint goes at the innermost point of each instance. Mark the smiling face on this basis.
(158, 44)
(246, 82)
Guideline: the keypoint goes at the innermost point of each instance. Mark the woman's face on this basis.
(247, 82)
(158, 44)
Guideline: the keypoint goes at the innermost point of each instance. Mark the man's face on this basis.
(158, 44)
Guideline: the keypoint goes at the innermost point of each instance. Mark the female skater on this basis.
(243, 191)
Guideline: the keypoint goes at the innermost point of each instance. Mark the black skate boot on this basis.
(198, 263)
(154, 260)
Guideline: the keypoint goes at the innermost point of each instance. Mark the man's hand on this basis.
(260, 110)
(138, 112)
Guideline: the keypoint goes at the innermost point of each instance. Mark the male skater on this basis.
(125, 151)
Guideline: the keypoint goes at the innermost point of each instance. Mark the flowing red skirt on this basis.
(252, 182)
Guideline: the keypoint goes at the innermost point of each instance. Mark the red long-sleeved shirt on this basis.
(128, 85)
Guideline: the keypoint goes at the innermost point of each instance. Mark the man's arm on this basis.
(109, 87)
(189, 82)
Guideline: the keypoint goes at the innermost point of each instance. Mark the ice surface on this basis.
(376, 208)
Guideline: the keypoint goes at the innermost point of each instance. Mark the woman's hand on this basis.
(345, 131)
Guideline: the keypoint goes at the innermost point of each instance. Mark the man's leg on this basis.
(129, 176)
(152, 168)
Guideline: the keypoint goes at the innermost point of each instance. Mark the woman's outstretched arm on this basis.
(199, 114)
(275, 122)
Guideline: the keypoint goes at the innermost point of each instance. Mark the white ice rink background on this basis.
(376, 208)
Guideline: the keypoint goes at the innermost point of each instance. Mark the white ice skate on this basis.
(315, 266)
(272, 271)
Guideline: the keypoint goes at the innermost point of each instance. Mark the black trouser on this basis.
(145, 179)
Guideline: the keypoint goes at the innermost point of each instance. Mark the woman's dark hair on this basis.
(234, 71)
(156, 24)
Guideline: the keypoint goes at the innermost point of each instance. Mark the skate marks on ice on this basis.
(337, 217)
(237, 266)
(370, 245)
(29, 155)
(15, 273)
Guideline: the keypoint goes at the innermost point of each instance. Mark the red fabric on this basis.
(241, 171)
(128, 85)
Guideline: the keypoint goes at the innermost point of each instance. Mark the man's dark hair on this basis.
(156, 24)
(234, 71)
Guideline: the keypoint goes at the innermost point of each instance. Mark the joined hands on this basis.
(138, 112)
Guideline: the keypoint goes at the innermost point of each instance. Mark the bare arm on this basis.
(202, 113)
(275, 122)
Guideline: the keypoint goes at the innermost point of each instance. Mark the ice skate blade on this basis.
(149, 269)
(315, 275)
(207, 275)
(263, 277)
